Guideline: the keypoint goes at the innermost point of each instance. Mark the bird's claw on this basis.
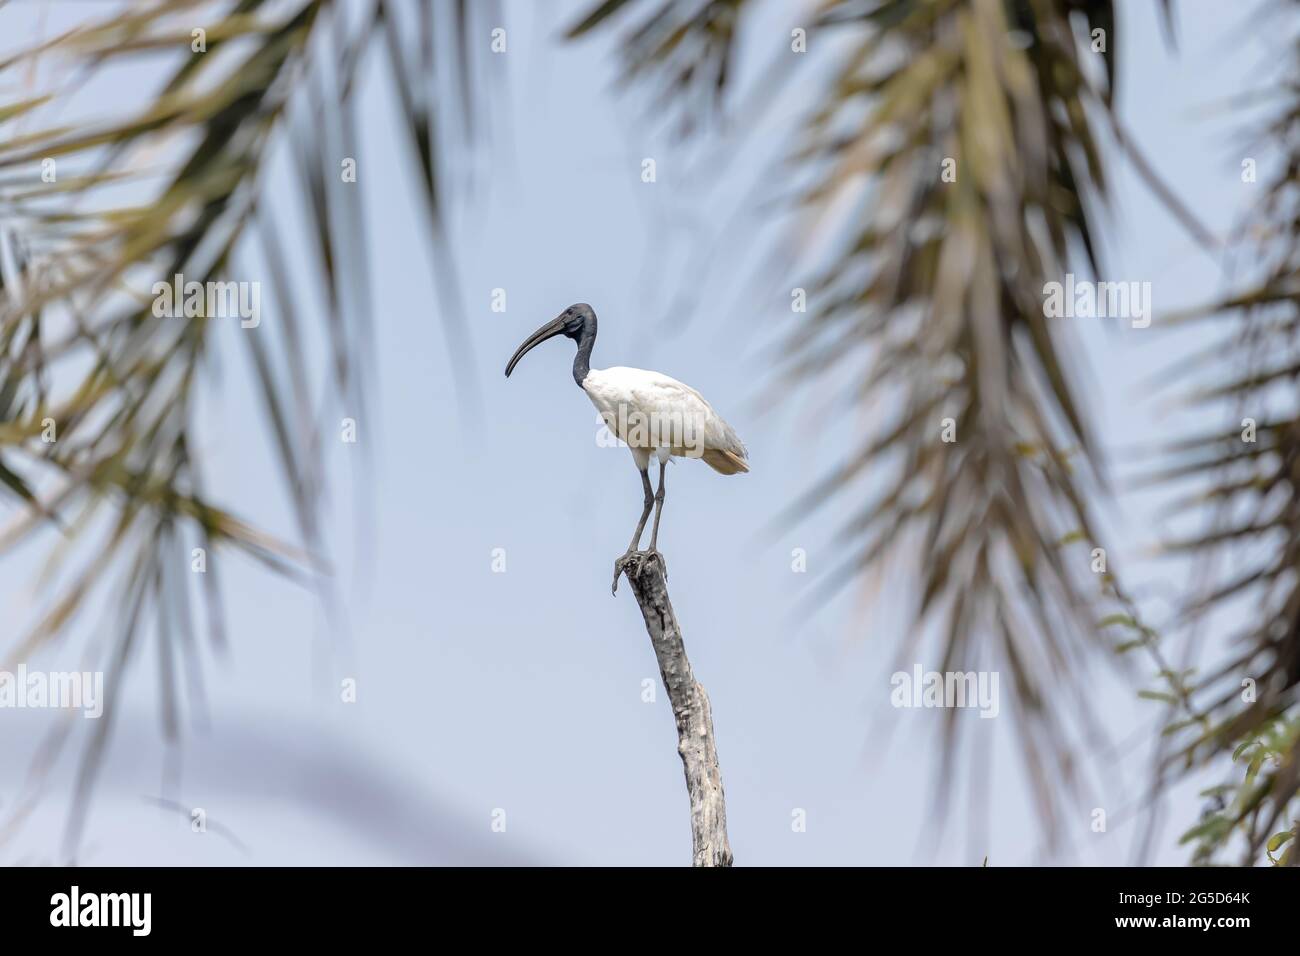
(618, 570)
(621, 562)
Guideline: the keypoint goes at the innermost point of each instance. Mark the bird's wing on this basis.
(664, 393)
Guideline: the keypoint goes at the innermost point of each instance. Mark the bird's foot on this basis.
(620, 564)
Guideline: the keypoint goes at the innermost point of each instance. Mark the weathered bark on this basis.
(645, 572)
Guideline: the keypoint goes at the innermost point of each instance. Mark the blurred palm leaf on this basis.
(1251, 484)
(172, 184)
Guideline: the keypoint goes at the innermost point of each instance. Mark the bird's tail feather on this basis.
(725, 462)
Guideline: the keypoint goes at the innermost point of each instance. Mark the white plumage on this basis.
(658, 416)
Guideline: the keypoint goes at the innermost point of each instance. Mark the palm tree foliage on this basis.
(94, 213)
(1249, 475)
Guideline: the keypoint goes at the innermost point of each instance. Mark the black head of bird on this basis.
(577, 322)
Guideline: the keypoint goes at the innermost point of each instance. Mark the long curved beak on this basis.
(550, 329)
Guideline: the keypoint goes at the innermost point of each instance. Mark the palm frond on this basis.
(170, 184)
(1250, 473)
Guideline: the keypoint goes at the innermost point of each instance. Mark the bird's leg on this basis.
(647, 504)
(640, 526)
(659, 510)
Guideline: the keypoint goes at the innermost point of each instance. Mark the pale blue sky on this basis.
(522, 690)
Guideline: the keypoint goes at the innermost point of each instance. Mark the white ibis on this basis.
(657, 416)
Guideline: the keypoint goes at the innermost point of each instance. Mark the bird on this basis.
(655, 415)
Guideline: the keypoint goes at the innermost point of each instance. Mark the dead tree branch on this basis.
(645, 572)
